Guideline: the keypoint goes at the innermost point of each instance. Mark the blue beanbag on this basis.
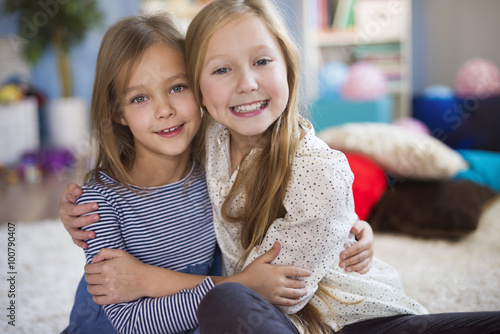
(484, 168)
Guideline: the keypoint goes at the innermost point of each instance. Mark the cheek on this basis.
(195, 117)
(192, 111)
(137, 127)
(280, 88)
(211, 92)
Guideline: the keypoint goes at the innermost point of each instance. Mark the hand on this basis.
(70, 215)
(115, 277)
(278, 284)
(359, 256)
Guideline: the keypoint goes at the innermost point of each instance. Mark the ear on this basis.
(118, 118)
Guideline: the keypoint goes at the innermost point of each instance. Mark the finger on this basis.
(71, 192)
(270, 255)
(360, 267)
(80, 235)
(73, 189)
(295, 283)
(356, 228)
(358, 247)
(96, 290)
(94, 279)
(81, 243)
(365, 230)
(293, 293)
(285, 301)
(365, 269)
(70, 219)
(93, 268)
(292, 271)
(74, 210)
(354, 259)
(106, 254)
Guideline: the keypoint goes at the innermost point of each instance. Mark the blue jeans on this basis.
(233, 308)
(442, 323)
(88, 317)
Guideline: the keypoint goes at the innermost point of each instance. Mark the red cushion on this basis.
(369, 183)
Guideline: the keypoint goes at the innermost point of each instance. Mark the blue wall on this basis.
(44, 76)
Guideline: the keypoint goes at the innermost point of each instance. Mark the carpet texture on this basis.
(445, 276)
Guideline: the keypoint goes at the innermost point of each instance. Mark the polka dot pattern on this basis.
(313, 233)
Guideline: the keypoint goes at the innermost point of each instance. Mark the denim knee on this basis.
(234, 308)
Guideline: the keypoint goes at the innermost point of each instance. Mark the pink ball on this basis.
(477, 78)
(412, 124)
(365, 82)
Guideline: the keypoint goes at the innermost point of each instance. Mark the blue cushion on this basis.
(329, 111)
(484, 168)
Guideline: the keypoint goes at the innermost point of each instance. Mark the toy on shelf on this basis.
(10, 93)
(58, 160)
(365, 82)
(332, 77)
(351, 94)
(477, 78)
(30, 168)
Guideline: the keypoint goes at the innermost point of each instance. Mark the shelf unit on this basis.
(183, 10)
(377, 30)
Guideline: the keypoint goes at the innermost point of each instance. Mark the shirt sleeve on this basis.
(320, 214)
(171, 314)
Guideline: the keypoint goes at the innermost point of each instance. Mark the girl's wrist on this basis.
(149, 286)
(237, 278)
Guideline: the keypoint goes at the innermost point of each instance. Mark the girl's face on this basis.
(158, 106)
(244, 77)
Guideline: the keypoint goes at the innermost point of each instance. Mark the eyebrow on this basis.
(178, 76)
(257, 48)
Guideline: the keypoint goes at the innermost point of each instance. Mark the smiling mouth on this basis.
(169, 129)
(243, 109)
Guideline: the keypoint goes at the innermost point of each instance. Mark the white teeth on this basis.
(169, 130)
(249, 107)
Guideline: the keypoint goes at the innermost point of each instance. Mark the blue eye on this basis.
(263, 62)
(139, 99)
(221, 71)
(177, 89)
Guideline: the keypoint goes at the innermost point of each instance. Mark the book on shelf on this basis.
(382, 49)
(344, 15)
(335, 14)
(386, 57)
(373, 19)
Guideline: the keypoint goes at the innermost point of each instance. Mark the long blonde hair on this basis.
(271, 171)
(121, 48)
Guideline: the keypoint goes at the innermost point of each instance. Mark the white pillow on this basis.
(400, 152)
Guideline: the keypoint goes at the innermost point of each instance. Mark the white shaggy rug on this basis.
(450, 276)
(444, 276)
(49, 267)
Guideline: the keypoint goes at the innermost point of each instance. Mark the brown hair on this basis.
(121, 48)
(270, 172)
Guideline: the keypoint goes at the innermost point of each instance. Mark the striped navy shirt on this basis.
(170, 226)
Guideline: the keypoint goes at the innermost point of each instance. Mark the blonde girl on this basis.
(271, 179)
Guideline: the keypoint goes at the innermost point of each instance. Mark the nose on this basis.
(164, 109)
(247, 81)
